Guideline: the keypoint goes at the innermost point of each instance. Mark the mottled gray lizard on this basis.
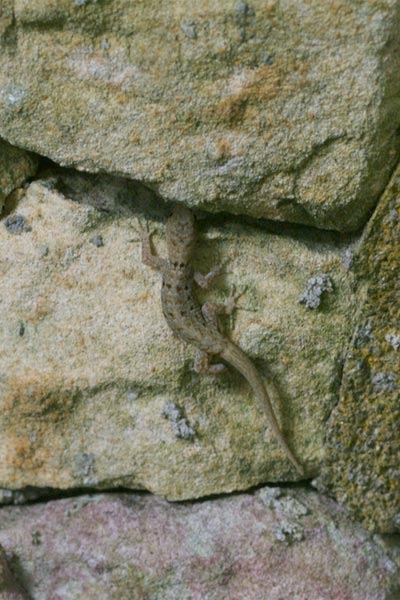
(198, 325)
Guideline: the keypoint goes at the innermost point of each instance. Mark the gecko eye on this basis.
(182, 265)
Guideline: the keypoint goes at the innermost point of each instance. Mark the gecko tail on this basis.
(233, 355)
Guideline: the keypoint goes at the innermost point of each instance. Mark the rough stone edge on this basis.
(361, 265)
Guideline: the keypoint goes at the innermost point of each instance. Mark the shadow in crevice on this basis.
(37, 495)
(117, 196)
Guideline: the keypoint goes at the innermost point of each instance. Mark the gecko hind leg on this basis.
(203, 366)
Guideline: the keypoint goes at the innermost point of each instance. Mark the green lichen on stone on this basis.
(362, 465)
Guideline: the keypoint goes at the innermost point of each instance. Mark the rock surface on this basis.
(273, 544)
(15, 167)
(9, 587)
(362, 464)
(285, 110)
(91, 368)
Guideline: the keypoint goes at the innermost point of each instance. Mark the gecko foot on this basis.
(211, 310)
(148, 257)
(231, 301)
(203, 366)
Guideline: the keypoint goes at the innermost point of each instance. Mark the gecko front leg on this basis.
(212, 310)
(206, 281)
(148, 257)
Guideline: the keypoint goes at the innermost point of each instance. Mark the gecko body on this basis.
(198, 325)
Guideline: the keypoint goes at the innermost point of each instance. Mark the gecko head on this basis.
(181, 234)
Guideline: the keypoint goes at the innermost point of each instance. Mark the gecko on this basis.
(198, 325)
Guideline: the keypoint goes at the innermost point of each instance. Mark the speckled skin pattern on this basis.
(199, 325)
(181, 311)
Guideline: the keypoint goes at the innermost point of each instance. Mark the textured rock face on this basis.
(271, 544)
(285, 110)
(363, 439)
(9, 587)
(15, 167)
(274, 109)
(96, 391)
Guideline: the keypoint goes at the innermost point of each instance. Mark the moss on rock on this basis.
(362, 464)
